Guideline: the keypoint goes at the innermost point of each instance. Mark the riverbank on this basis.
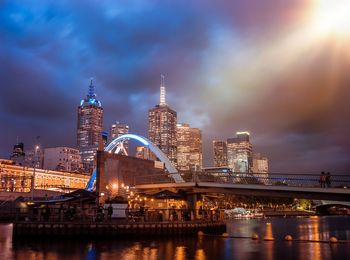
(288, 213)
(115, 229)
(193, 246)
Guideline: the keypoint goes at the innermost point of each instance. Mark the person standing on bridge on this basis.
(322, 180)
(110, 211)
(328, 180)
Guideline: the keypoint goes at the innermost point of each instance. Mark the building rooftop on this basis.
(90, 98)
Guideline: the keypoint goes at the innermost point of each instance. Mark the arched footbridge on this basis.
(277, 185)
(116, 146)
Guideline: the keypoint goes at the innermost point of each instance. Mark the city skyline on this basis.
(265, 68)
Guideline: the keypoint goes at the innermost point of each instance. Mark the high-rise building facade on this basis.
(162, 122)
(18, 154)
(118, 129)
(220, 153)
(260, 168)
(189, 148)
(62, 159)
(260, 164)
(89, 128)
(239, 153)
(35, 157)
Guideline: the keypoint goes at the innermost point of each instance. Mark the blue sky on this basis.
(260, 66)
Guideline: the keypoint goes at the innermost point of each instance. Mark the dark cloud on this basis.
(50, 50)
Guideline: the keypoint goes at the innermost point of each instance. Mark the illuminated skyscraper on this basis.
(260, 167)
(162, 126)
(260, 164)
(189, 148)
(89, 128)
(239, 152)
(117, 130)
(35, 157)
(18, 154)
(220, 153)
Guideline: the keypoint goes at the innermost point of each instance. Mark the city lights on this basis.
(241, 151)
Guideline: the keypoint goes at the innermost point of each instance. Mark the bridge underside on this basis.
(250, 190)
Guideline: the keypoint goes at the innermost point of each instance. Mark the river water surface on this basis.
(206, 247)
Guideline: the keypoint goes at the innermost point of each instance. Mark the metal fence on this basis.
(272, 179)
(94, 214)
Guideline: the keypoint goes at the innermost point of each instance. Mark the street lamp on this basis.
(33, 178)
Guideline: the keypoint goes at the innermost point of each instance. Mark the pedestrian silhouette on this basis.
(322, 180)
(328, 180)
(110, 211)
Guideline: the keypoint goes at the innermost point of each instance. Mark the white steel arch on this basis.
(147, 143)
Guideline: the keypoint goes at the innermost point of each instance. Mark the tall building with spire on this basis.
(162, 122)
(89, 128)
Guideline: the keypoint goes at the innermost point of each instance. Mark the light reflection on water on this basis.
(197, 248)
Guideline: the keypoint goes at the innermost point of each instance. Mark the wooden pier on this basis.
(113, 229)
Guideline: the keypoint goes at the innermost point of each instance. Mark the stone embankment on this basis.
(114, 229)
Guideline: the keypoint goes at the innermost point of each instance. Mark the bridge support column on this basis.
(100, 177)
(191, 202)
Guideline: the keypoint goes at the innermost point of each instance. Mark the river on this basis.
(206, 247)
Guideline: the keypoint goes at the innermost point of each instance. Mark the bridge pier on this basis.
(100, 177)
(191, 202)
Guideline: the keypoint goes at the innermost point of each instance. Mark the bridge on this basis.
(275, 185)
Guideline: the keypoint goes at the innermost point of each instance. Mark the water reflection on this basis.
(269, 244)
(193, 247)
(180, 253)
(200, 254)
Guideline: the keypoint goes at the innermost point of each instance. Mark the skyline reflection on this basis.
(207, 247)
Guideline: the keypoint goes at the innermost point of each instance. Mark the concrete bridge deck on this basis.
(338, 194)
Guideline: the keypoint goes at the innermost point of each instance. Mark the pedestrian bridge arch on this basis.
(114, 145)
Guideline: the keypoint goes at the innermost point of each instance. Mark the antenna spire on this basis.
(162, 91)
(91, 89)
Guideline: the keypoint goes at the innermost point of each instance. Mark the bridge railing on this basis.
(276, 179)
(272, 179)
